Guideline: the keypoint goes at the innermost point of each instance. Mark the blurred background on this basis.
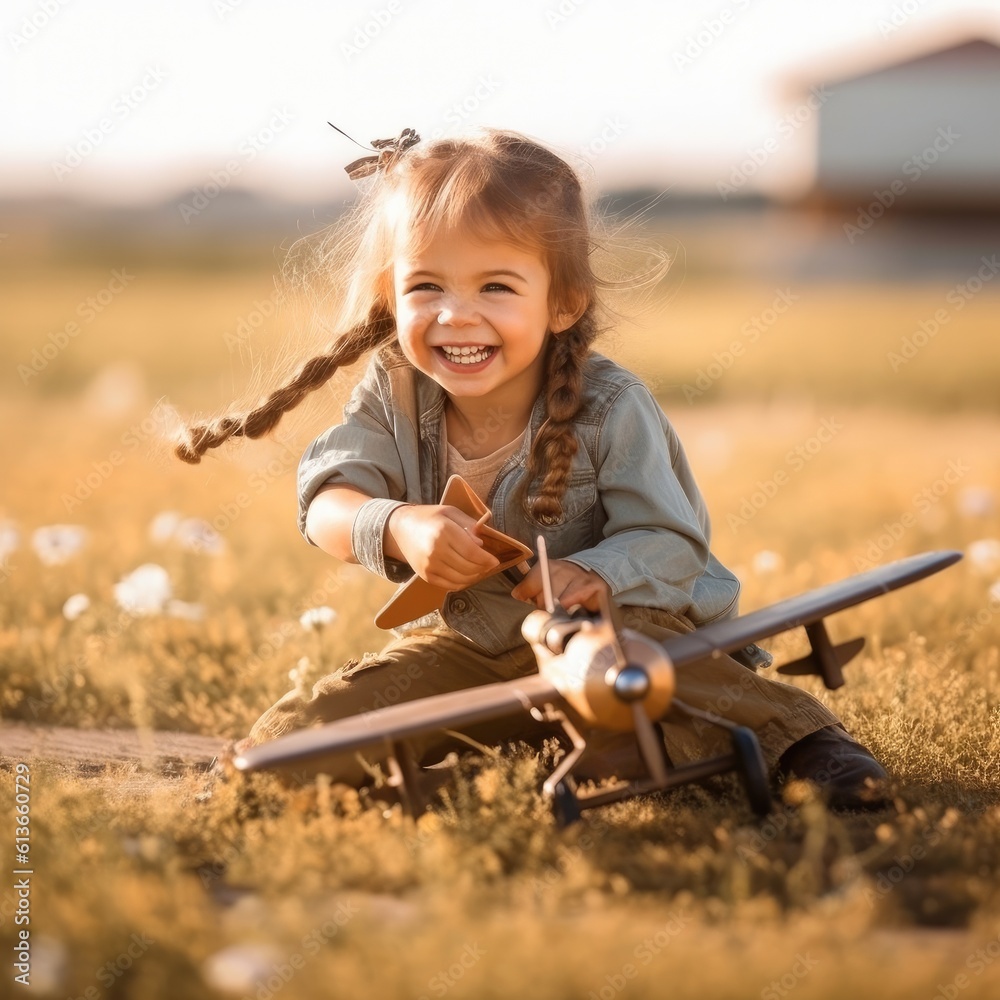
(826, 178)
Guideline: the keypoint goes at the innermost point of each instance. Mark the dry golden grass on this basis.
(684, 895)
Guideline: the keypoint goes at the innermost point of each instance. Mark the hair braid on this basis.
(317, 371)
(556, 443)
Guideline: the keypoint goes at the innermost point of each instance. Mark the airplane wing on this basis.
(399, 722)
(808, 610)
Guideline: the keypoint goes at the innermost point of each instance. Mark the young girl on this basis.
(473, 291)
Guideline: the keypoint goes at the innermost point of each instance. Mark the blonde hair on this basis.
(500, 186)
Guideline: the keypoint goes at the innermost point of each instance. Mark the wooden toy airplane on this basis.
(594, 672)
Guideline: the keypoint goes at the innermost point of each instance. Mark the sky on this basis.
(132, 102)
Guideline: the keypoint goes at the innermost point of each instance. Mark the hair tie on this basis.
(386, 151)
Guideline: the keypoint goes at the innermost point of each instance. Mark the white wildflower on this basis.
(766, 561)
(300, 670)
(976, 501)
(145, 591)
(56, 544)
(240, 968)
(984, 555)
(163, 527)
(197, 535)
(318, 618)
(75, 606)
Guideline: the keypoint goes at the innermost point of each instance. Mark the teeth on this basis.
(467, 355)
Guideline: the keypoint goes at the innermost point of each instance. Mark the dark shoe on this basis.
(842, 768)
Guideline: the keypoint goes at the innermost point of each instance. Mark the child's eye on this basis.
(496, 286)
(425, 286)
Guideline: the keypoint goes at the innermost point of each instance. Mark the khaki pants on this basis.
(436, 661)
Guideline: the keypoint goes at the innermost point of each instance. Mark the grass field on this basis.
(819, 456)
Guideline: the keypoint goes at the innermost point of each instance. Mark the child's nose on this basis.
(457, 312)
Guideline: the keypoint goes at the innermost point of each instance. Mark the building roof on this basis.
(950, 44)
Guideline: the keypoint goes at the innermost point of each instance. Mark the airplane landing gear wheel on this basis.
(565, 807)
(752, 769)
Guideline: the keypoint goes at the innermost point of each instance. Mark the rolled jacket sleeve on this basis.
(361, 453)
(655, 544)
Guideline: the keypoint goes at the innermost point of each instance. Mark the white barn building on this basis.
(921, 132)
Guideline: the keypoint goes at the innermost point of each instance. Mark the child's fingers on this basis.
(586, 592)
(474, 530)
(587, 597)
(530, 587)
(467, 543)
(474, 556)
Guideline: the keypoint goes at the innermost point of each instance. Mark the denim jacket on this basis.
(631, 513)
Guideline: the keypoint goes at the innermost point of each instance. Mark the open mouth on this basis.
(471, 355)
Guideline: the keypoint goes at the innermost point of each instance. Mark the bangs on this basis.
(465, 194)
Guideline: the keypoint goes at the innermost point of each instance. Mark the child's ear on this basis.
(566, 317)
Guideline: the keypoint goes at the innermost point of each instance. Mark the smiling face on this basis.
(474, 316)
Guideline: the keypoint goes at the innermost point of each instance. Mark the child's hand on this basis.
(440, 545)
(571, 584)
